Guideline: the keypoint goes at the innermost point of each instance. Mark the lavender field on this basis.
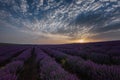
(88, 61)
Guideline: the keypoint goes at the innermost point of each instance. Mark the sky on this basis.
(59, 21)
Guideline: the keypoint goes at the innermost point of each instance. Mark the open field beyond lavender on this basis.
(89, 61)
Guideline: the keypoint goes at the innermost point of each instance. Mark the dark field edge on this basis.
(30, 71)
(9, 59)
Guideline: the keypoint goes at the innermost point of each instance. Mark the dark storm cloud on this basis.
(107, 36)
(98, 18)
(110, 27)
(90, 18)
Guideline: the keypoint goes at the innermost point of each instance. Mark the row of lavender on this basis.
(11, 70)
(102, 54)
(7, 55)
(49, 69)
(86, 69)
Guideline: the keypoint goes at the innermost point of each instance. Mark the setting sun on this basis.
(81, 41)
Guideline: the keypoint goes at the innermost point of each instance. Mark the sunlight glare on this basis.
(81, 41)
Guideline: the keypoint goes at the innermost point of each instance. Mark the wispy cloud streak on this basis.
(69, 18)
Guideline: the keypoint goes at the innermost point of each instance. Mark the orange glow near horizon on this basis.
(82, 41)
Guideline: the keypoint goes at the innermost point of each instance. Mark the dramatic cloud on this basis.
(52, 19)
